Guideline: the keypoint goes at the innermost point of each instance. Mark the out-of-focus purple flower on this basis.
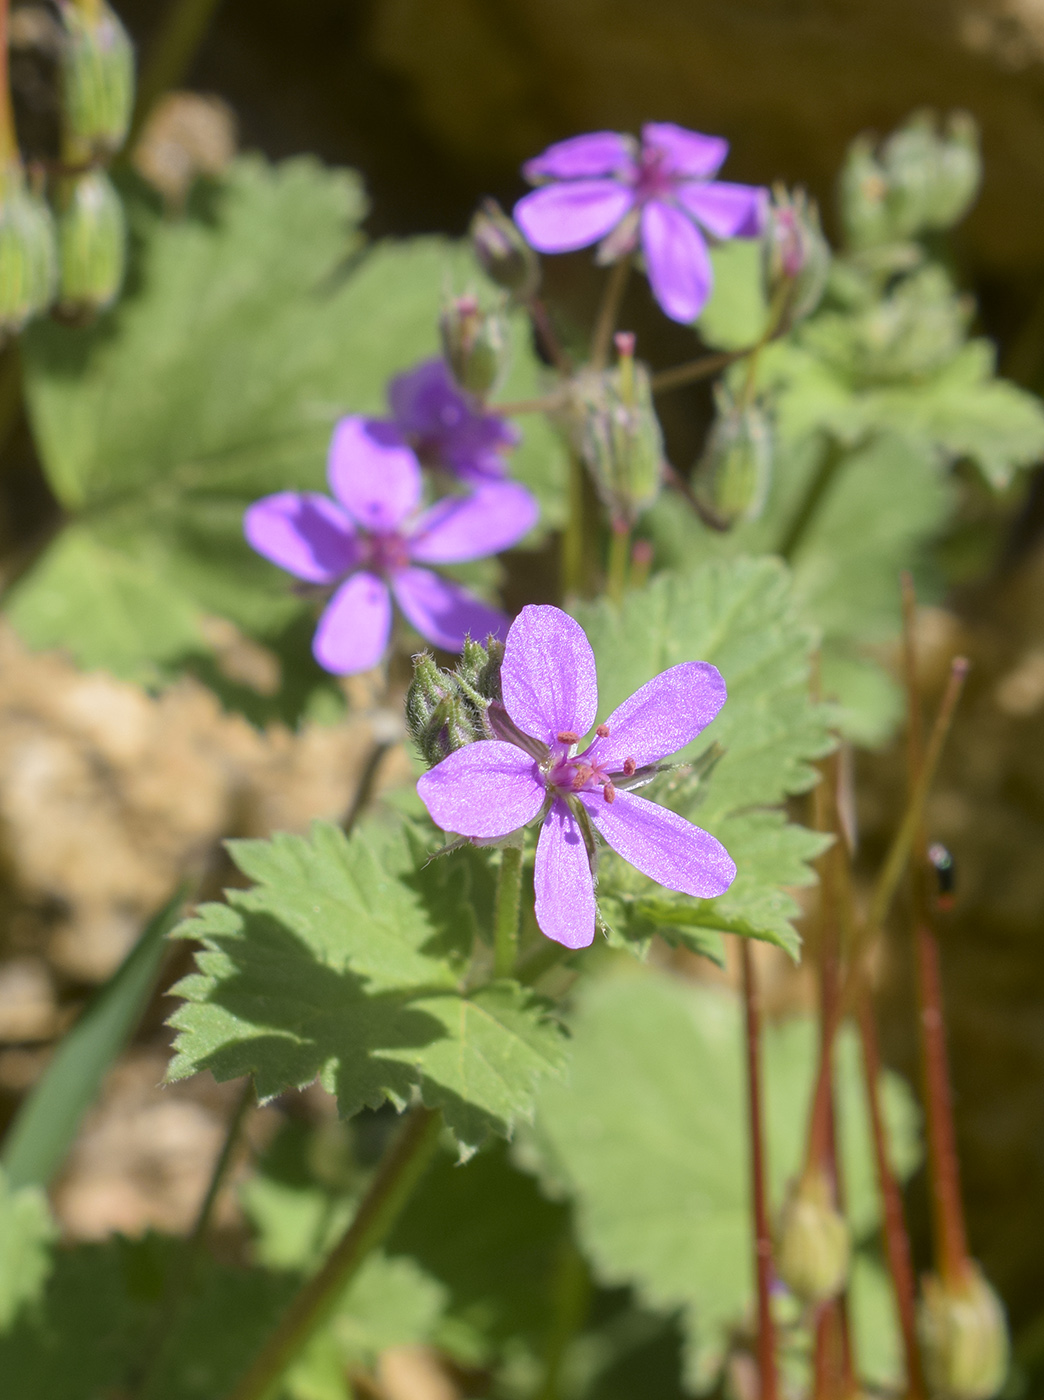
(491, 788)
(370, 539)
(663, 192)
(446, 427)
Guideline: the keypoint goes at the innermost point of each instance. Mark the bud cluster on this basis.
(475, 345)
(502, 252)
(796, 255)
(732, 478)
(27, 252)
(445, 710)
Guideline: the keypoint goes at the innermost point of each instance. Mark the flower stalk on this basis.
(8, 140)
(609, 312)
(506, 910)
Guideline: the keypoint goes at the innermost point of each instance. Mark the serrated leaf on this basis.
(27, 1233)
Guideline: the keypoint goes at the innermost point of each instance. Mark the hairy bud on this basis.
(97, 80)
(447, 709)
(28, 260)
(92, 245)
(475, 345)
(503, 253)
(964, 1338)
(812, 1249)
(732, 477)
(796, 255)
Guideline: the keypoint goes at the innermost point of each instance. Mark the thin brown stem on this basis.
(548, 337)
(547, 404)
(8, 140)
(694, 370)
(612, 299)
(170, 56)
(766, 1348)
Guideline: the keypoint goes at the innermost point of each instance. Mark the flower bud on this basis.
(964, 1338)
(97, 79)
(479, 667)
(503, 253)
(447, 709)
(475, 345)
(864, 196)
(812, 1249)
(732, 477)
(92, 245)
(28, 261)
(796, 255)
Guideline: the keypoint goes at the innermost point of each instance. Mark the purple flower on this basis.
(606, 186)
(445, 426)
(370, 538)
(493, 787)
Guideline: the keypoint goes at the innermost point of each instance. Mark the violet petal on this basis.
(443, 612)
(685, 152)
(597, 153)
(661, 844)
(353, 631)
(307, 534)
(561, 218)
(562, 880)
(676, 260)
(459, 528)
(726, 211)
(427, 399)
(662, 717)
(548, 676)
(373, 473)
(485, 789)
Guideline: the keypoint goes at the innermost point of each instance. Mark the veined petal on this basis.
(443, 612)
(676, 260)
(485, 789)
(373, 473)
(561, 218)
(685, 152)
(598, 153)
(662, 845)
(427, 399)
(562, 880)
(548, 677)
(307, 534)
(353, 631)
(662, 717)
(459, 528)
(727, 211)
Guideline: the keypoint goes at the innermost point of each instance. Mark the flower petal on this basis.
(353, 631)
(562, 879)
(662, 845)
(427, 399)
(373, 473)
(676, 260)
(470, 527)
(560, 218)
(307, 534)
(685, 152)
(443, 612)
(662, 717)
(485, 789)
(598, 153)
(548, 677)
(446, 426)
(727, 211)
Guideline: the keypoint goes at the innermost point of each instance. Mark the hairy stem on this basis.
(571, 1299)
(400, 1170)
(547, 404)
(506, 911)
(573, 545)
(769, 1388)
(694, 370)
(830, 459)
(547, 337)
(609, 311)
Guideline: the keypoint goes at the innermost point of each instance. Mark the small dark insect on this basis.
(945, 873)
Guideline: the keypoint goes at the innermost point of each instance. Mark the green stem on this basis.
(8, 140)
(571, 1300)
(832, 456)
(694, 370)
(573, 534)
(619, 561)
(170, 56)
(398, 1174)
(505, 916)
(612, 298)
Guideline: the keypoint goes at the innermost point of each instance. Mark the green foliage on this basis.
(648, 1135)
(26, 1235)
(345, 962)
(739, 614)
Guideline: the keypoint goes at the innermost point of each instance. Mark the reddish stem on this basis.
(547, 337)
(769, 1389)
(8, 141)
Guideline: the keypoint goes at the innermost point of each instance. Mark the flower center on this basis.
(386, 553)
(568, 774)
(653, 180)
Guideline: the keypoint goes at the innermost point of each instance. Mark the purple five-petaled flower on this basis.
(370, 539)
(495, 786)
(446, 427)
(607, 186)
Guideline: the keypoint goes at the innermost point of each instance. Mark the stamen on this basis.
(609, 793)
(602, 731)
(580, 777)
(629, 767)
(566, 736)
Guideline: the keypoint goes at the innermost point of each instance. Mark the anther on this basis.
(630, 767)
(581, 776)
(609, 793)
(602, 731)
(566, 736)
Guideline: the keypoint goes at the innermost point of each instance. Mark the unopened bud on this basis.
(445, 710)
(813, 1247)
(475, 345)
(732, 477)
(503, 253)
(28, 258)
(864, 196)
(92, 245)
(479, 667)
(964, 1338)
(796, 255)
(97, 79)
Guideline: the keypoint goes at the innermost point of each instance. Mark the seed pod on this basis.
(92, 245)
(97, 80)
(964, 1338)
(503, 253)
(932, 178)
(28, 258)
(732, 477)
(796, 255)
(475, 345)
(813, 1248)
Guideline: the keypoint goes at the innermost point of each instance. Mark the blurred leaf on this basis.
(345, 962)
(741, 615)
(27, 1233)
(875, 1324)
(48, 1120)
(737, 312)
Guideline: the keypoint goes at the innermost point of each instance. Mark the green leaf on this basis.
(737, 312)
(47, 1122)
(741, 615)
(345, 963)
(649, 1134)
(26, 1235)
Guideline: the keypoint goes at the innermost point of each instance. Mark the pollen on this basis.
(582, 774)
(609, 793)
(566, 736)
(630, 767)
(602, 731)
